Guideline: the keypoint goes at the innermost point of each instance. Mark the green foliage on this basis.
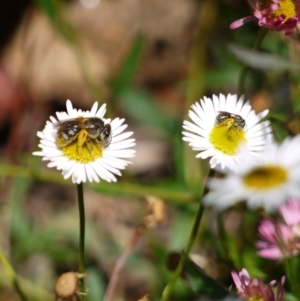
(140, 106)
(262, 61)
(205, 286)
(96, 285)
(123, 81)
(49, 6)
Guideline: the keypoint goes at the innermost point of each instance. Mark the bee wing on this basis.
(67, 124)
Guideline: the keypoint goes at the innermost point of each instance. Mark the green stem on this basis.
(168, 289)
(186, 195)
(12, 275)
(19, 290)
(291, 269)
(261, 34)
(81, 236)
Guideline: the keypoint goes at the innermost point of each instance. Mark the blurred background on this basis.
(148, 61)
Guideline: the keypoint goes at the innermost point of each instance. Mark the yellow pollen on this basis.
(83, 149)
(226, 137)
(266, 177)
(288, 8)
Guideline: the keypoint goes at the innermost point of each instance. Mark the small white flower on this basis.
(267, 183)
(222, 138)
(94, 161)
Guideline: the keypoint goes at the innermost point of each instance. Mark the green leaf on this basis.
(200, 282)
(280, 131)
(140, 106)
(96, 286)
(297, 104)
(278, 116)
(123, 80)
(48, 6)
(261, 60)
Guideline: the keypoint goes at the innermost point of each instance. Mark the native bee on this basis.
(237, 120)
(84, 130)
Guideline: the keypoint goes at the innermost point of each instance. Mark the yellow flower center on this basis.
(288, 8)
(226, 137)
(83, 149)
(266, 177)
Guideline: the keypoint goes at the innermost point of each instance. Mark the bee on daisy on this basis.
(86, 146)
(222, 126)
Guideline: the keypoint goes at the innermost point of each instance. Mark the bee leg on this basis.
(230, 122)
(90, 147)
(61, 142)
(81, 140)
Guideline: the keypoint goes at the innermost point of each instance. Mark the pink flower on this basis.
(281, 238)
(279, 15)
(255, 289)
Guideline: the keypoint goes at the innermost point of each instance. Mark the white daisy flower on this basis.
(221, 125)
(267, 183)
(86, 146)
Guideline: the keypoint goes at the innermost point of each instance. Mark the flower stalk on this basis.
(12, 276)
(81, 236)
(193, 235)
(168, 289)
(291, 265)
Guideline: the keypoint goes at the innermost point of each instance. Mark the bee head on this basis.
(105, 135)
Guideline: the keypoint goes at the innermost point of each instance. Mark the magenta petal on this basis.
(270, 8)
(272, 253)
(240, 22)
(256, 289)
(236, 280)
